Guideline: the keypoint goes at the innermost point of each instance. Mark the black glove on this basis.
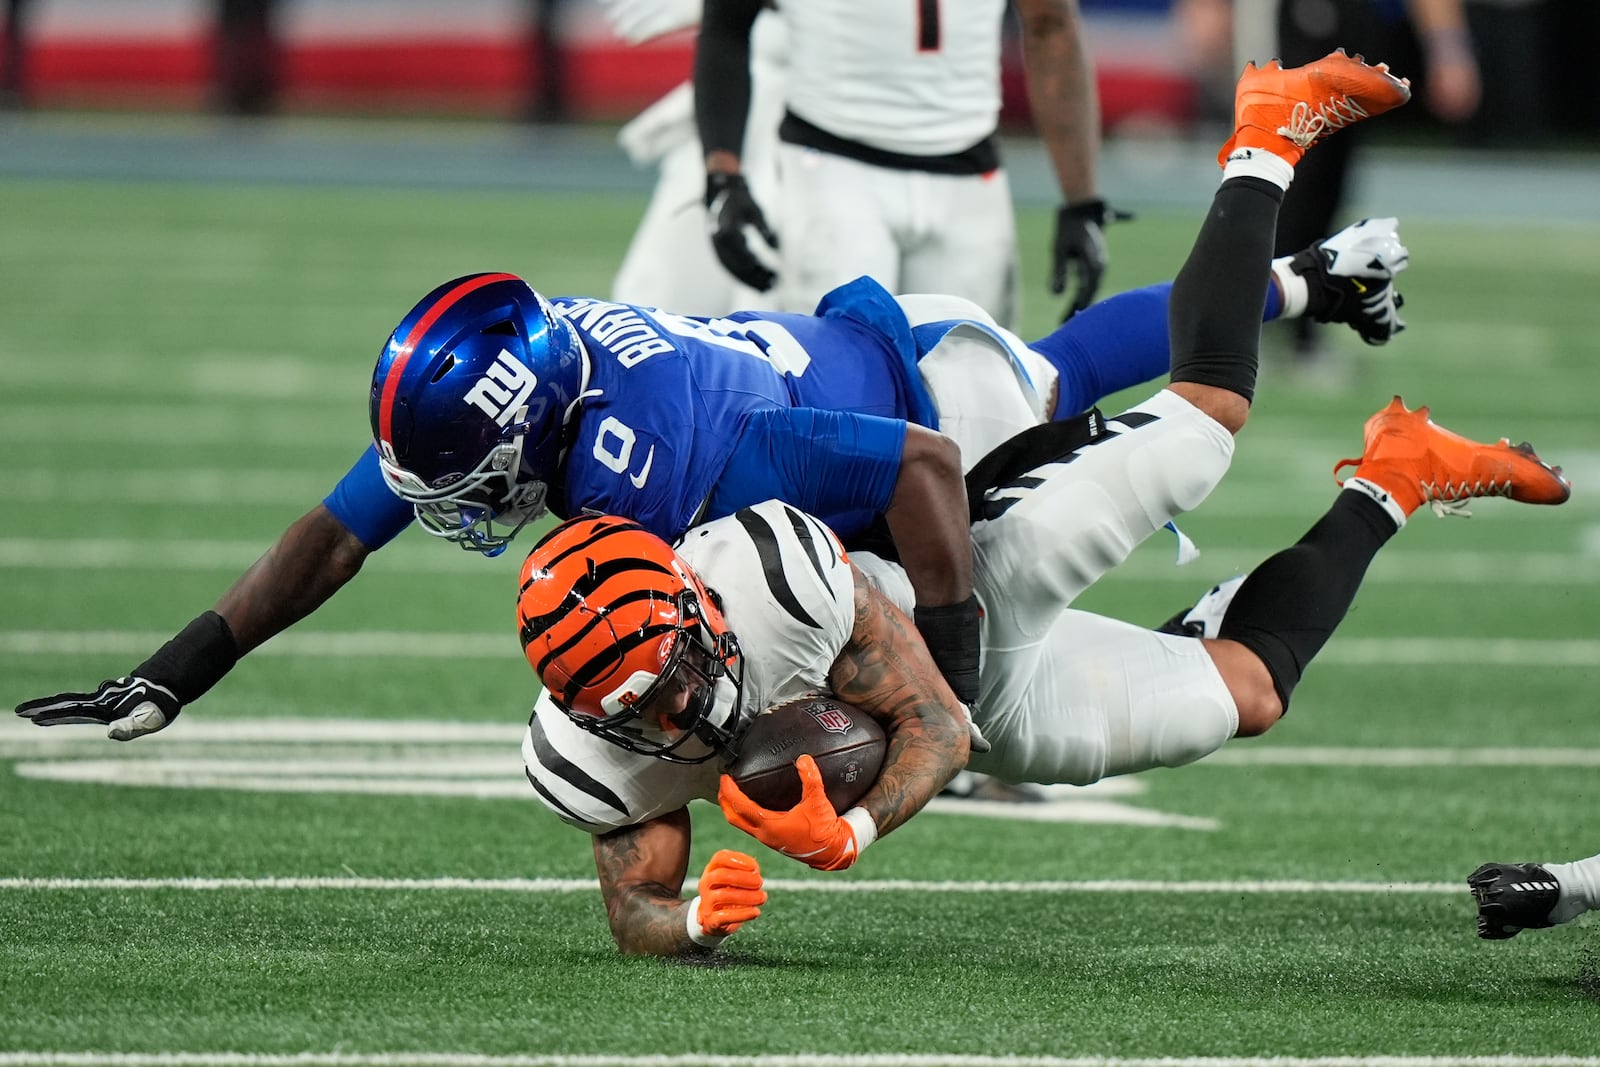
(130, 707)
(1080, 244)
(731, 208)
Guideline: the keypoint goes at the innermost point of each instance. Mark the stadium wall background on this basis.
(1160, 63)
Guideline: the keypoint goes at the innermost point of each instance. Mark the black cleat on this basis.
(1513, 897)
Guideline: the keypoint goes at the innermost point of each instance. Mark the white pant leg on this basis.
(841, 221)
(1051, 534)
(986, 385)
(963, 241)
(981, 393)
(1098, 697)
(670, 263)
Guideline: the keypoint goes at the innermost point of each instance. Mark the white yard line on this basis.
(338, 745)
(899, 1059)
(796, 885)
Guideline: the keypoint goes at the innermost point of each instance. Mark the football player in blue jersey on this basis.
(491, 405)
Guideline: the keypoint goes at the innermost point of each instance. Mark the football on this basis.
(846, 742)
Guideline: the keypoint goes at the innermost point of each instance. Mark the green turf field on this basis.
(334, 858)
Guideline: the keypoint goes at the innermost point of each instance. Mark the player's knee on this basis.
(1250, 683)
(1227, 408)
(1259, 712)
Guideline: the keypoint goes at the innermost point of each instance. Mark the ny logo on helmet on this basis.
(503, 390)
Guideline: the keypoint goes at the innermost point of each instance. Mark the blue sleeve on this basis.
(822, 462)
(365, 504)
(1121, 341)
(1111, 345)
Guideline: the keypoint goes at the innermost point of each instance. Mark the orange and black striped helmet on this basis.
(610, 616)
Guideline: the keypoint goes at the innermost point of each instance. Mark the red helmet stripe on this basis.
(391, 382)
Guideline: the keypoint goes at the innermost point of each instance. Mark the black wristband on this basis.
(1093, 210)
(952, 636)
(719, 182)
(195, 660)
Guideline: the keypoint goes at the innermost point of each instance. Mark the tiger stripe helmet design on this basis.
(611, 619)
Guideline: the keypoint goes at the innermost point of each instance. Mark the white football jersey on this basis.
(920, 77)
(787, 593)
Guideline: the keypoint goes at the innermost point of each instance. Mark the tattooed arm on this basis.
(886, 671)
(641, 880)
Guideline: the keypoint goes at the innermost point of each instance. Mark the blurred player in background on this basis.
(888, 159)
(1513, 897)
(669, 262)
(1450, 89)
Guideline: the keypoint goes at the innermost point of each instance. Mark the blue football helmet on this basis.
(469, 403)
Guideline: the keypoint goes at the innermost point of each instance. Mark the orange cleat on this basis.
(1285, 112)
(1416, 462)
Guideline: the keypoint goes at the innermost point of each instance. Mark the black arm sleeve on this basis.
(722, 74)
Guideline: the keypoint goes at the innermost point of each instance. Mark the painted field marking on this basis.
(188, 485)
(1400, 566)
(808, 885)
(479, 760)
(804, 1059)
(205, 486)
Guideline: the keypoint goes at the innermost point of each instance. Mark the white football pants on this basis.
(670, 263)
(986, 384)
(1068, 696)
(913, 231)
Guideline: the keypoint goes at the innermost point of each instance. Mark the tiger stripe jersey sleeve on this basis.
(598, 787)
(787, 592)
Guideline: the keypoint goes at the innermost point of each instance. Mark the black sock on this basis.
(1289, 606)
(1214, 314)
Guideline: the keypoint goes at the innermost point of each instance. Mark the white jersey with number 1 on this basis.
(920, 77)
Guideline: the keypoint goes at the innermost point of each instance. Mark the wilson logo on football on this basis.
(830, 719)
(503, 390)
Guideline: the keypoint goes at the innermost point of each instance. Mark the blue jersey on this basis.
(689, 419)
(684, 420)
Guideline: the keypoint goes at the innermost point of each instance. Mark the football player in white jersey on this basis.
(669, 263)
(654, 660)
(887, 155)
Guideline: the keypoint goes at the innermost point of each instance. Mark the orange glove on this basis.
(810, 831)
(730, 896)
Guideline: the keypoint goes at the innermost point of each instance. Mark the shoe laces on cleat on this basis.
(1305, 125)
(1450, 498)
